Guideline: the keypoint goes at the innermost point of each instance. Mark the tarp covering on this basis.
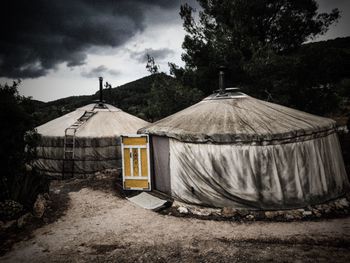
(97, 145)
(105, 123)
(258, 177)
(240, 120)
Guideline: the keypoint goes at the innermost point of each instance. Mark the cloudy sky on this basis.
(59, 48)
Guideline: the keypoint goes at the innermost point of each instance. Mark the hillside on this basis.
(340, 42)
(132, 97)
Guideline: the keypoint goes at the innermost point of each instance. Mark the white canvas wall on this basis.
(91, 155)
(258, 177)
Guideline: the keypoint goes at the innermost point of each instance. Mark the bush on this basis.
(18, 180)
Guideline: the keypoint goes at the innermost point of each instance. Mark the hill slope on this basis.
(132, 97)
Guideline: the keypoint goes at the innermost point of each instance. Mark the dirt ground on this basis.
(89, 222)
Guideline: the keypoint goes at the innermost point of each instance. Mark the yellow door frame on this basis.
(134, 147)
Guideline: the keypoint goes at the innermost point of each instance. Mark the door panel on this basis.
(126, 162)
(144, 162)
(129, 184)
(136, 169)
(135, 140)
(135, 161)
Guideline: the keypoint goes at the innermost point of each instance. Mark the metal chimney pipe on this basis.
(101, 80)
(221, 81)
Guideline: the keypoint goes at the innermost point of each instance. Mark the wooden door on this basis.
(136, 162)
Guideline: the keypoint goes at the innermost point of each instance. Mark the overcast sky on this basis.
(60, 48)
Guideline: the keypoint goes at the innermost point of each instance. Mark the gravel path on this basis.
(92, 223)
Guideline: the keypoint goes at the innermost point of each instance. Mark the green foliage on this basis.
(308, 79)
(151, 65)
(261, 45)
(168, 96)
(18, 181)
(44, 112)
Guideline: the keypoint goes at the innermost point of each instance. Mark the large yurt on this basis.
(84, 141)
(233, 150)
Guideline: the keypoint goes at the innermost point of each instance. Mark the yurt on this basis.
(84, 141)
(232, 150)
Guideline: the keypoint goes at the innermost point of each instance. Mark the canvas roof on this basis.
(107, 122)
(238, 119)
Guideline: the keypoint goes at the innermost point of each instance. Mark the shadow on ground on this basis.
(57, 206)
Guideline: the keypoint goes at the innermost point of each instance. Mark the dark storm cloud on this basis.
(39, 34)
(157, 54)
(332, 4)
(99, 71)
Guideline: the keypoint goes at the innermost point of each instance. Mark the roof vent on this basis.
(221, 80)
(100, 104)
(225, 93)
(101, 86)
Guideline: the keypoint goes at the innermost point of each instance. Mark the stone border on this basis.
(335, 208)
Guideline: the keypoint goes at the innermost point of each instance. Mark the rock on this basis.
(296, 214)
(293, 215)
(182, 210)
(229, 212)
(39, 206)
(250, 217)
(333, 205)
(271, 214)
(338, 206)
(327, 211)
(201, 212)
(343, 202)
(214, 211)
(324, 208)
(2, 225)
(319, 207)
(243, 212)
(316, 213)
(307, 213)
(23, 220)
(289, 217)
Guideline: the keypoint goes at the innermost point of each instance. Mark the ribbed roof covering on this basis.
(107, 122)
(239, 119)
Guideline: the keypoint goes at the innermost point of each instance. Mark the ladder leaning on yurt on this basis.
(69, 144)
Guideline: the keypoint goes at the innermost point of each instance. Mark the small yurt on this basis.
(84, 141)
(233, 150)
